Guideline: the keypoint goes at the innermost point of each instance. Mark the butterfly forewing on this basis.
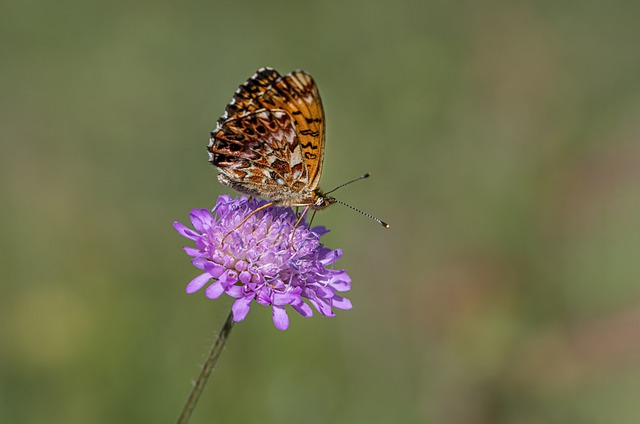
(306, 110)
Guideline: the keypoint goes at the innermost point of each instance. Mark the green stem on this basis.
(205, 372)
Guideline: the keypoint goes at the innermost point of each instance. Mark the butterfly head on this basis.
(321, 200)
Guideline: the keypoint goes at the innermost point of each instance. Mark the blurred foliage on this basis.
(503, 140)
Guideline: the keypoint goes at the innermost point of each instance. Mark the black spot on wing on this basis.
(310, 132)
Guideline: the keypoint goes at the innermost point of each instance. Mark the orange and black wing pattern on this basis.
(295, 94)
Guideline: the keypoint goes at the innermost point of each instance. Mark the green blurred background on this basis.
(503, 140)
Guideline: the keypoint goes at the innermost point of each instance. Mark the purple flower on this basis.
(261, 261)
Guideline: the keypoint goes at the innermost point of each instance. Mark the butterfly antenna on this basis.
(384, 224)
(361, 177)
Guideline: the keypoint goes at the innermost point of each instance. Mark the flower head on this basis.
(267, 259)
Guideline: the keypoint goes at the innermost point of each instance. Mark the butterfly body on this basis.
(270, 141)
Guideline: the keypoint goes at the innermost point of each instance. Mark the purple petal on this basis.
(200, 263)
(340, 281)
(228, 278)
(222, 205)
(280, 318)
(185, 231)
(341, 302)
(240, 308)
(202, 244)
(213, 269)
(330, 257)
(236, 292)
(191, 251)
(320, 304)
(303, 309)
(214, 291)
(201, 220)
(257, 279)
(320, 230)
(245, 277)
(323, 292)
(253, 255)
(198, 282)
(264, 297)
(241, 266)
(281, 299)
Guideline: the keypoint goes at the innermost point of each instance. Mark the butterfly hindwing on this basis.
(261, 149)
(270, 140)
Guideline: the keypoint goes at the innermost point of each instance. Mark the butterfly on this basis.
(270, 141)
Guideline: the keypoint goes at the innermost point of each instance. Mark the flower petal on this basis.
(303, 309)
(199, 263)
(191, 251)
(201, 220)
(281, 299)
(320, 230)
(245, 277)
(185, 231)
(213, 269)
(198, 282)
(236, 292)
(228, 278)
(240, 308)
(320, 304)
(341, 302)
(340, 281)
(214, 291)
(329, 256)
(280, 318)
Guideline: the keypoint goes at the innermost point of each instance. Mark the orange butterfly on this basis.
(270, 141)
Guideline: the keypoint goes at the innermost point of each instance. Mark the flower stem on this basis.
(205, 372)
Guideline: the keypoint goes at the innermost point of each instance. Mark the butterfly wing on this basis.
(297, 95)
(308, 113)
(259, 154)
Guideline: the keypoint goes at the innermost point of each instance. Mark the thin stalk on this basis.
(205, 372)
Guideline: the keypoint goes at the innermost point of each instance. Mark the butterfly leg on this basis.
(300, 218)
(253, 212)
(313, 215)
